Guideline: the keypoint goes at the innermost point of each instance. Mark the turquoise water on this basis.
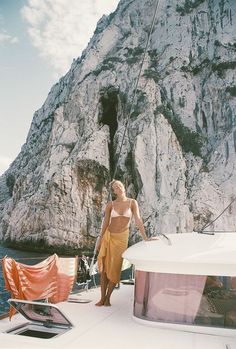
(21, 256)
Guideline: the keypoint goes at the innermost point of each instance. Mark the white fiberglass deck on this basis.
(101, 327)
(187, 253)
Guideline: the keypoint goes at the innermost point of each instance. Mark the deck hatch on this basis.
(45, 319)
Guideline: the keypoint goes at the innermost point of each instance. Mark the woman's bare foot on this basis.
(100, 303)
(107, 302)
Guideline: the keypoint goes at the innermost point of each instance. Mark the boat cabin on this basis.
(186, 281)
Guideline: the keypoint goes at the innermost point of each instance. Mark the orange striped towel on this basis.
(50, 279)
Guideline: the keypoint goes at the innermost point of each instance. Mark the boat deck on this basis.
(100, 327)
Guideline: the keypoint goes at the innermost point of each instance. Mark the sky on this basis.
(38, 41)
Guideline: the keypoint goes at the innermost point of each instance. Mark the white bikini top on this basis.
(128, 212)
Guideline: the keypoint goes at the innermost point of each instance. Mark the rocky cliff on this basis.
(178, 157)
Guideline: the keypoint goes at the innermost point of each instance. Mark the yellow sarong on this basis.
(112, 247)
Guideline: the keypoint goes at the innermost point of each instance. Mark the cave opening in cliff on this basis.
(108, 116)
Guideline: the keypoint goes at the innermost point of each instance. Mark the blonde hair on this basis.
(115, 181)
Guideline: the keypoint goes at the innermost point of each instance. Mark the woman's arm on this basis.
(137, 219)
(105, 223)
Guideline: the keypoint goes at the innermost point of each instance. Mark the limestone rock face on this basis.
(177, 155)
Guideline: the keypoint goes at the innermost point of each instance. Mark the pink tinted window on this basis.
(186, 299)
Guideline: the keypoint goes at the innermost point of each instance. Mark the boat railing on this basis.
(166, 238)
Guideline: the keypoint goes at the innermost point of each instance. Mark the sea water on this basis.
(29, 258)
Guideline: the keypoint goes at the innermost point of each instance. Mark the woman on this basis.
(113, 239)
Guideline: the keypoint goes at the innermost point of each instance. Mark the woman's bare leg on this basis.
(110, 289)
(103, 285)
